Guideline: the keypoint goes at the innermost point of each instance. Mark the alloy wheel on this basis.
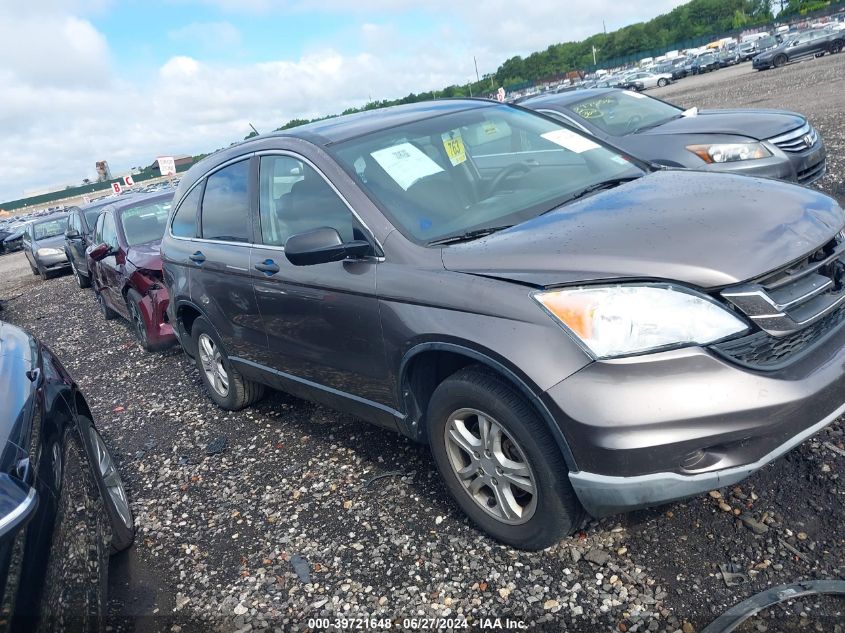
(491, 466)
(111, 478)
(212, 365)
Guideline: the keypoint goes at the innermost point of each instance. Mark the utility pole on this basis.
(604, 26)
(594, 55)
(475, 61)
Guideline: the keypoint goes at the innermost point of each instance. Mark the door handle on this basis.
(197, 257)
(268, 267)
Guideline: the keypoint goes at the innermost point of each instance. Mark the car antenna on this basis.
(254, 130)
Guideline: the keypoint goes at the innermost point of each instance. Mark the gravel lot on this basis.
(308, 513)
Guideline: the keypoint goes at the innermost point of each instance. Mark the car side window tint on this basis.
(294, 198)
(185, 221)
(225, 204)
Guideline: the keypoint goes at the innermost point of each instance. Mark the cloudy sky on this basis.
(127, 80)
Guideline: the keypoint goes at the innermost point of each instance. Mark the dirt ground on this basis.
(308, 513)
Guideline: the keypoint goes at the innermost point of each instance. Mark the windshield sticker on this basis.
(406, 164)
(454, 146)
(490, 129)
(570, 140)
(616, 158)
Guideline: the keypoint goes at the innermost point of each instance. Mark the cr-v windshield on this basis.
(484, 168)
(622, 112)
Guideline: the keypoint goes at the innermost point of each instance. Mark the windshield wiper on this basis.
(599, 186)
(658, 123)
(468, 235)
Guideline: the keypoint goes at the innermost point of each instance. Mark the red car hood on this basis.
(147, 256)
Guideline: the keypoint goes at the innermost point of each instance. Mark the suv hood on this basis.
(146, 256)
(704, 229)
(757, 124)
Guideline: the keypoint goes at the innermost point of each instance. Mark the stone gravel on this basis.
(262, 519)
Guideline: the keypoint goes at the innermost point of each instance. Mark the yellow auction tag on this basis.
(454, 146)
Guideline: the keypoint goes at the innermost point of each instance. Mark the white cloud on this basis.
(63, 106)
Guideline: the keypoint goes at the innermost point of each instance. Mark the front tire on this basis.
(225, 385)
(779, 61)
(662, 82)
(111, 488)
(499, 461)
(139, 326)
(83, 281)
(105, 310)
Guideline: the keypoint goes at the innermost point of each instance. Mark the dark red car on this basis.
(125, 266)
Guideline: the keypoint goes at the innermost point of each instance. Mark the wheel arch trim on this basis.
(415, 429)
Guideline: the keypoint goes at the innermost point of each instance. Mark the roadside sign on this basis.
(86, 199)
(167, 165)
(127, 180)
(500, 95)
(116, 187)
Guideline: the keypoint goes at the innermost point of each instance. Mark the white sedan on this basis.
(644, 80)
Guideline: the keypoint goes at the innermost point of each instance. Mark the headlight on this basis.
(729, 152)
(620, 320)
(46, 252)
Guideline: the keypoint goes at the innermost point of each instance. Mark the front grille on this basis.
(797, 296)
(797, 140)
(812, 173)
(765, 352)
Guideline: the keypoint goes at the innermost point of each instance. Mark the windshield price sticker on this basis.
(406, 164)
(454, 146)
(570, 140)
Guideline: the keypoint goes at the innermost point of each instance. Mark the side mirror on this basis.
(72, 234)
(100, 252)
(17, 504)
(320, 246)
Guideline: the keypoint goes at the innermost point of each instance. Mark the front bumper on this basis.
(52, 263)
(651, 429)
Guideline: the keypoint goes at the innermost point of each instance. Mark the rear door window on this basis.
(225, 204)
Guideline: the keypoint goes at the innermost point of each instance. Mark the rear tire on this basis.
(495, 486)
(225, 385)
(836, 47)
(662, 82)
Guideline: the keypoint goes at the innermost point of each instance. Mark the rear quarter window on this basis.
(185, 221)
(225, 204)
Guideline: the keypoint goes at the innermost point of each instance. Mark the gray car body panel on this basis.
(474, 300)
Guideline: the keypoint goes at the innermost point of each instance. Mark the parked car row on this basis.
(463, 272)
(767, 51)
